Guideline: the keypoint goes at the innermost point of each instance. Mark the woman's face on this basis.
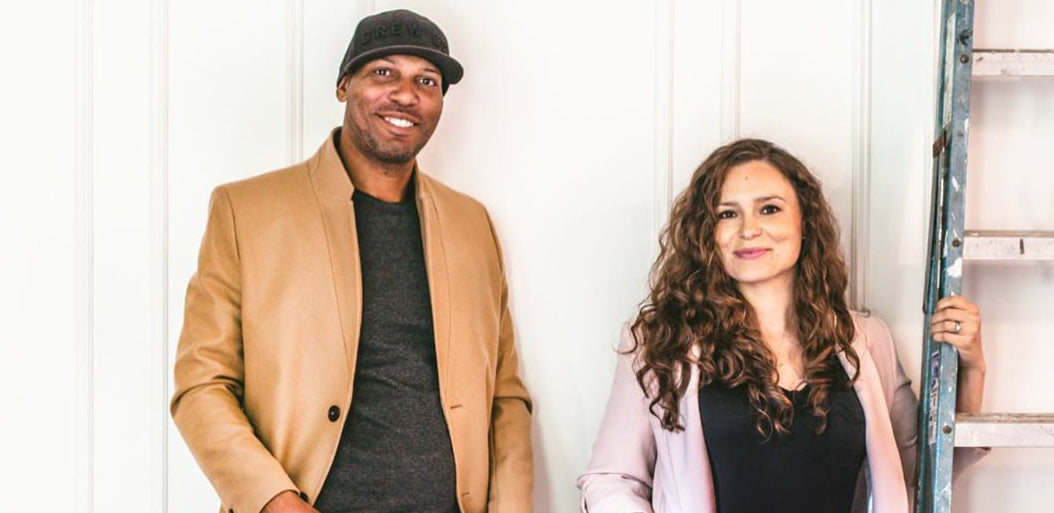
(758, 231)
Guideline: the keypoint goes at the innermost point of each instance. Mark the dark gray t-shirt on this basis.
(394, 454)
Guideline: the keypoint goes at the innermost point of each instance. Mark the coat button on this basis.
(334, 413)
(303, 496)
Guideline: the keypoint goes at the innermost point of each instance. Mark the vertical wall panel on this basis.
(84, 252)
(698, 69)
(229, 94)
(859, 225)
(663, 105)
(902, 93)
(128, 409)
(40, 309)
(731, 43)
(158, 289)
(294, 52)
(797, 85)
(328, 26)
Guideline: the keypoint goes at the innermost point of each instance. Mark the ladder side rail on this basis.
(923, 455)
(940, 362)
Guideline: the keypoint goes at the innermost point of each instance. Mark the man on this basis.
(347, 341)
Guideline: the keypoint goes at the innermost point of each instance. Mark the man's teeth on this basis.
(401, 123)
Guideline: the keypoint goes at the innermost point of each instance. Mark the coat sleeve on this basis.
(903, 406)
(511, 459)
(209, 370)
(619, 477)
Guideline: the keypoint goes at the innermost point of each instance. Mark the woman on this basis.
(745, 383)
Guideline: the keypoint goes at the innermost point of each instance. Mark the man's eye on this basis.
(383, 72)
(769, 209)
(429, 81)
(727, 214)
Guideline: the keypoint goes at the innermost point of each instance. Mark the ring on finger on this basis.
(957, 327)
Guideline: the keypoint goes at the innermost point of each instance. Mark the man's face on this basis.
(392, 107)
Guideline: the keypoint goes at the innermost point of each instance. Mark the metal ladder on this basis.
(940, 429)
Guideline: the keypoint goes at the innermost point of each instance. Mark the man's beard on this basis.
(392, 153)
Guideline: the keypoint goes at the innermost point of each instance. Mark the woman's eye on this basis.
(727, 214)
(770, 209)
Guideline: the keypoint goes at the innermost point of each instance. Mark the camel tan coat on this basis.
(271, 329)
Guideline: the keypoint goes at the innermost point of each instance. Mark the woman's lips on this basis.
(752, 253)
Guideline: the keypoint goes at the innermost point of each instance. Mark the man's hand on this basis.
(288, 502)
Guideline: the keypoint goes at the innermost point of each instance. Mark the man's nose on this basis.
(404, 93)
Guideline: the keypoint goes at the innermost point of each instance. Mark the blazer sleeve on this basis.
(511, 459)
(619, 477)
(903, 406)
(209, 370)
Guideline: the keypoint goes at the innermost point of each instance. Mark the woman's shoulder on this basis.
(874, 337)
(871, 333)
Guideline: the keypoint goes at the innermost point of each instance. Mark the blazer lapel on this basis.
(333, 189)
(888, 491)
(689, 479)
(438, 279)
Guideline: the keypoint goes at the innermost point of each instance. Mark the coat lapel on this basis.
(333, 189)
(688, 472)
(692, 475)
(438, 279)
(888, 492)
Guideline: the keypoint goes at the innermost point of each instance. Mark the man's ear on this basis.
(342, 88)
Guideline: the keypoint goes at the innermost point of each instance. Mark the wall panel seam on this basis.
(159, 243)
(84, 254)
(295, 70)
(663, 105)
(860, 227)
(731, 37)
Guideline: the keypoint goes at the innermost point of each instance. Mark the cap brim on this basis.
(448, 66)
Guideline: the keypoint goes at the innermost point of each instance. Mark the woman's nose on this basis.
(750, 228)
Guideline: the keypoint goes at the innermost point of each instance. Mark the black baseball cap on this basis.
(400, 32)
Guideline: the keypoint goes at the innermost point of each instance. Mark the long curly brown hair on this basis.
(694, 303)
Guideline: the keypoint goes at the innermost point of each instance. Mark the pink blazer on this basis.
(638, 466)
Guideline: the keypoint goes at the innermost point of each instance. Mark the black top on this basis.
(394, 454)
(797, 472)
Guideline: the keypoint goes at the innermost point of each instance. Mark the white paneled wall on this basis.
(45, 296)
(129, 377)
(575, 124)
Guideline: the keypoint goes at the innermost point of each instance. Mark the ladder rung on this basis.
(1013, 63)
(1008, 245)
(1004, 430)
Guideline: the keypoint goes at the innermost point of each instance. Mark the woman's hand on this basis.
(957, 321)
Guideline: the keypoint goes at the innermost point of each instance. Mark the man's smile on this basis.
(399, 122)
(398, 119)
